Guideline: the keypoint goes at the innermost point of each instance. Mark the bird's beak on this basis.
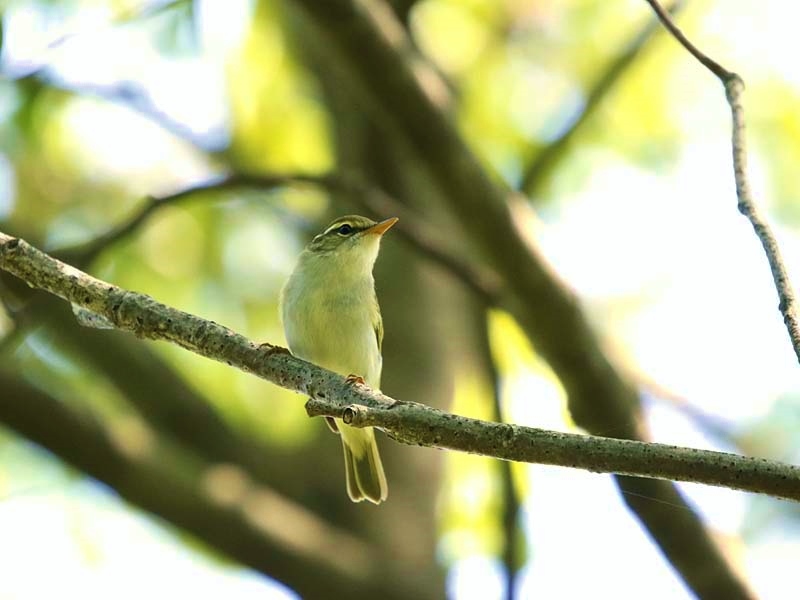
(382, 227)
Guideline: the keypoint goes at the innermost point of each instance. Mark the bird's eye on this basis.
(345, 229)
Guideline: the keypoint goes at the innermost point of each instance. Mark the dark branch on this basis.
(484, 283)
(545, 161)
(84, 254)
(513, 534)
(135, 97)
(600, 399)
(252, 526)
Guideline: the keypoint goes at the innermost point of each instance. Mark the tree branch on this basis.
(182, 415)
(420, 425)
(254, 526)
(482, 282)
(177, 411)
(549, 156)
(407, 422)
(85, 253)
(734, 88)
(136, 97)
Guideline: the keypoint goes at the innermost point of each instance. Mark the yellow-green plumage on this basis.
(331, 317)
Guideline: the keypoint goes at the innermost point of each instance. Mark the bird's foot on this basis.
(354, 380)
(272, 349)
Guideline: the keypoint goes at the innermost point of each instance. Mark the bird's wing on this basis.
(377, 323)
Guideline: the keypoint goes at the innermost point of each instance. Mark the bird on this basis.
(331, 317)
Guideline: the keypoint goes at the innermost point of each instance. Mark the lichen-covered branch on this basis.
(417, 424)
(734, 88)
(407, 422)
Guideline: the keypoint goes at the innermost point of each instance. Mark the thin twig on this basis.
(137, 98)
(710, 424)
(407, 422)
(484, 283)
(83, 254)
(544, 161)
(734, 87)
(705, 60)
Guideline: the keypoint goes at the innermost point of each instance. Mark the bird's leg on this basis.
(349, 380)
(331, 422)
(354, 379)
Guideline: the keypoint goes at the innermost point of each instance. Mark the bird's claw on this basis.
(354, 380)
(272, 349)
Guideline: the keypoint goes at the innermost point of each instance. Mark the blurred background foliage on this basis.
(104, 103)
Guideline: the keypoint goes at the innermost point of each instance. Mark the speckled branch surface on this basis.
(413, 423)
(406, 422)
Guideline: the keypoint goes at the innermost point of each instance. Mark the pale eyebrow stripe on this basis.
(336, 225)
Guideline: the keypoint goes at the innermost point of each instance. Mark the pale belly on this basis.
(332, 331)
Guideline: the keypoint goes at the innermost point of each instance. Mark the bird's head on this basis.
(349, 243)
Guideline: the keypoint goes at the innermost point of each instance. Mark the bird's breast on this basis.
(332, 326)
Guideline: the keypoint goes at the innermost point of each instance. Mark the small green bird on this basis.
(331, 318)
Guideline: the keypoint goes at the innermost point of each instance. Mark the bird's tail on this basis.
(365, 477)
